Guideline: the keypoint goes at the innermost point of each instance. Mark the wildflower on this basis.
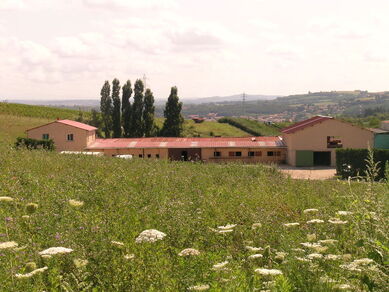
(255, 256)
(363, 262)
(343, 287)
(25, 217)
(314, 256)
(280, 256)
(326, 279)
(189, 252)
(314, 221)
(31, 208)
(129, 256)
(332, 257)
(251, 248)
(220, 266)
(30, 266)
(225, 231)
(336, 221)
(344, 213)
(256, 225)
(227, 227)
(117, 243)
(311, 237)
(328, 241)
(306, 211)
(268, 272)
(8, 244)
(29, 275)
(150, 235)
(291, 224)
(298, 249)
(55, 250)
(6, 199)
(80, 263)
(199, 287)
(310, 245)
(320, 248)
(75, 203)
(302, 259)
(351, 267)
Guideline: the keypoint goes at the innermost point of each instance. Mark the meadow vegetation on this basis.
(75, 223)
(255, 128)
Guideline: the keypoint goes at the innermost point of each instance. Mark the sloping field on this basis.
(254, 127)
(232, 215)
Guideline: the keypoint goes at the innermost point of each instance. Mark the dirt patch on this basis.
(313, 173)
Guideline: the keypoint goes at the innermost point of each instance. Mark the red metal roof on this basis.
(165, 142)
(304, 124)
(77, 125)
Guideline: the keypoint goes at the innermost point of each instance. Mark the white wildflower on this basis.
(351, 267)
(328, 241)
(199, 287)
(75, 203)
(55, 250)
(291, 224)
(302, 259)
(255, 256)
(256, 225)
(314, 256)
(363, 262)
(6, 199)
(310, 245)
(220, 266)
(25, 217)
(336, 221)
(189, 252)
(280, 256)
(298, 249)
(150, 235)
(306, 211)
(326, 279)
(311, 237)
(117, 243)
(344, 213)
(252, 248)
(80, 263)
(29, 275)
(8, 244)
(227, 227)
(268, 272)
(333, 257)
(129, 256)
(343, 287)
(320, 249)
(315, 221)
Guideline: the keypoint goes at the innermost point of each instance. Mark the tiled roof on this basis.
(77, 125)
(165, 142)
(304, 124)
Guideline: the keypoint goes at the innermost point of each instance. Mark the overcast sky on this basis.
(65, 49)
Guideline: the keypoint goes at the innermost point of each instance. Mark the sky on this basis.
(66, 49)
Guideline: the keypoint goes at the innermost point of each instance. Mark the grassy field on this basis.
(208, 129)
(254, 127)
(116, 200)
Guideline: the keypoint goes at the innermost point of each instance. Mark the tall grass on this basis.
(188, 202)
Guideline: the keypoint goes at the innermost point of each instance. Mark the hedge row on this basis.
(34, 144)
(352, 162)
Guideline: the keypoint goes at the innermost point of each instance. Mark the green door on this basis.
(304, 158)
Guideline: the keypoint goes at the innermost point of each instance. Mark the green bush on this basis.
(352, 162)
(34, 144)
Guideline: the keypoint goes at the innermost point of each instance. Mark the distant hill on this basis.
(236, 97)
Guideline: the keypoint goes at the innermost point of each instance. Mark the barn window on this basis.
(251, 153)
(148, 155)
(70, 137)
(217, 154)
(45, 136)
(334, 142)
(238, 153)
(156, 155)
(140, 155)
(270, 153)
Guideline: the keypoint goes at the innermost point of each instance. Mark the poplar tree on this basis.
(173, 124)
(148, 114)
(137, 127)
(116, 115)
(106, 108)
(126, 108)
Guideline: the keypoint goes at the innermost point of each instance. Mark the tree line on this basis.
(123, 117)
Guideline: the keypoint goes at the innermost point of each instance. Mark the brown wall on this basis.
(315, 138)
(207, 154)
(58, 132)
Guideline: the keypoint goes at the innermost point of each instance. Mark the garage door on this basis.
(304, 158)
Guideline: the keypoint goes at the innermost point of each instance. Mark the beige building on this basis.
(67, 135)
(313, 142)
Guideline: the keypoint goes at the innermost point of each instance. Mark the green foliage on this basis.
(126, 108)
(150, 128)
(252, 127)
(106, 108)
(116, 111)
(361, 162)
(137, 124)
(96, 121)
(173, 124)
(30, 144)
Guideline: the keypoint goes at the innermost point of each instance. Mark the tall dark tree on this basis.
(148, 114)
(116, 112)
(126, 108)
(173, 124)
(106, 108)
(137, 129)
